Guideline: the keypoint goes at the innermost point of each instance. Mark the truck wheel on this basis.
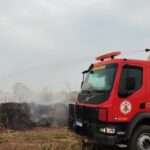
(140, 139)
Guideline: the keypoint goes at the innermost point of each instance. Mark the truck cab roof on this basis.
(123, 60)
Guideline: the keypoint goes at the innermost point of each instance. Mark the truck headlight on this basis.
(103, 130)
(108, 130)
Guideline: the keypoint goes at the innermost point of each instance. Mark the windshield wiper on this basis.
(86, 91)
(100, 91)
(95, 91)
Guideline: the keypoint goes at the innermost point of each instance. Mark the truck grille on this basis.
(86, 113)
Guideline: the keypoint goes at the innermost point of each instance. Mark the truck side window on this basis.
(131, 80)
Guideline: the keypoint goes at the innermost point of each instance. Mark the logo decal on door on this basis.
(125, 107)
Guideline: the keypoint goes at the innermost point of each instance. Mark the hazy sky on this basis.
(47, 43)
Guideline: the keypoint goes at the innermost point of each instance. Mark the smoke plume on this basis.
(25, 108)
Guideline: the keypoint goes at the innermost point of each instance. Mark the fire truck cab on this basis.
(113, 106)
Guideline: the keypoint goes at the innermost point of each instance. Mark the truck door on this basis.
(131, 92)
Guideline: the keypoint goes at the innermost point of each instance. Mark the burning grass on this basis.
(40, 139)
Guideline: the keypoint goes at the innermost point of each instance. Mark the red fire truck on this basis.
(113, 106)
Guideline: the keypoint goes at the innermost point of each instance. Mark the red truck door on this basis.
(131, 95)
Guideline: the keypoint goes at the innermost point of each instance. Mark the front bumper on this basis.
(92, 132)
(108, 140)
(83, 120)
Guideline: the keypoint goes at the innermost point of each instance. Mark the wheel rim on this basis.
(143, 142)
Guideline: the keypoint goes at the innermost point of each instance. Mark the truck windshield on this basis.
(100, 78)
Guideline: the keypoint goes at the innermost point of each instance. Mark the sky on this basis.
(48, 43)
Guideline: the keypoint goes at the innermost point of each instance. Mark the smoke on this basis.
(45, 108)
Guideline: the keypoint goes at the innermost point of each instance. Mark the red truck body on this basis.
(113, 104)
(122, 111)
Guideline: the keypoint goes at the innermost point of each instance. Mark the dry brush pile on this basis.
(27, 115)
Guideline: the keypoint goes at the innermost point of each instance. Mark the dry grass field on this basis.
(40, 139)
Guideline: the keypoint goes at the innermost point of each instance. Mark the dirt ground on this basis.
(40, 139)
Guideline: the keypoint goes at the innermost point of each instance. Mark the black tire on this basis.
(140, 139)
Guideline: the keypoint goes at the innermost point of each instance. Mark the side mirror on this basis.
(84, 74)
(82, 83)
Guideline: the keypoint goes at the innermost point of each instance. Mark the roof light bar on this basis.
(111, 55)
